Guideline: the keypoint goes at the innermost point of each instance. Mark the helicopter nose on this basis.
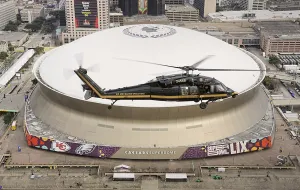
(232, 93)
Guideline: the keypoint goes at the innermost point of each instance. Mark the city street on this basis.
(36, 40)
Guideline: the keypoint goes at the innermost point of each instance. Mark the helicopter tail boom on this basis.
(92, 89)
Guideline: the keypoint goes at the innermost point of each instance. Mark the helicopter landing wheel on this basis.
(111, 105)
(196, 101)
(203, 105)
(234, 96)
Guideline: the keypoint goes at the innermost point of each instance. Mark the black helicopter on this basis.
(177, 87)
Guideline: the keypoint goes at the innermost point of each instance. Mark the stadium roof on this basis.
(164, 44)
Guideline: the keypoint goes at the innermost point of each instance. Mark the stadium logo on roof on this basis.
(149, 31)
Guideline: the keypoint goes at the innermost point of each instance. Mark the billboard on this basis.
(143, 6)
(86, 13)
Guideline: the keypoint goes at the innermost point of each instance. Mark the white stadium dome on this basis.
(58, 105)
(161, 44)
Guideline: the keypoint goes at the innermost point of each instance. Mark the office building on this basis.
(116, 19)
(253, 16)
(113, 4)
(31, 12)
(156, 7)
(279, 37)
(7, 12)
(285, 5)
(242, 4)
(80, 23)
(174, 2)
(178, 13)
(129, 7)
(237, 34)
(62, 18)
(205, 6)
(14, 38)
(146, 19)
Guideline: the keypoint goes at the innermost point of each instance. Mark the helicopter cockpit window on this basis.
(153, 80)
(219, 88)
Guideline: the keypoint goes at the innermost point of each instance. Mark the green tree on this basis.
(8, 117)
(269, 83)
(3, 55)
(11, 26)
(34, 81)
(39, 50)
(274, 60)
(10, 47)
(33, 27)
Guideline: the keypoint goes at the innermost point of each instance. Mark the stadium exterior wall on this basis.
(100, 151)
(180, 153)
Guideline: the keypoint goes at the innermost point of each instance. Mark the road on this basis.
(36, 40)
(258, 53)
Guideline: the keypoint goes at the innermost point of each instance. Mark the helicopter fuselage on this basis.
(180, 87)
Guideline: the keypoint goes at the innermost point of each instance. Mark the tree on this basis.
(269, 83)
(274, 60)
(10, 47)
(8, 117)
(39, 50)
(3, 55)
(33, 27)
(11, 26)
(34, 81)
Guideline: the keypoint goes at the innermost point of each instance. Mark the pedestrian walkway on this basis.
(149, 184)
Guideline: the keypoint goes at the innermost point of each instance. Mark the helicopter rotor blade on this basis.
(93, 68)
(150, 63)
(79, 59)
(228, 69)
(195, 65)
(68, 73)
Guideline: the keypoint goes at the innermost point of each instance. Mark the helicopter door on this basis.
(212, 89)
(184, 90)
(194, 90)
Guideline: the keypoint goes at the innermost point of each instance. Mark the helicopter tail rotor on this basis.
(79, 57)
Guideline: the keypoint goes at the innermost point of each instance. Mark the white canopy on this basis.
(176, 176)
(10, 73)
(123, 176)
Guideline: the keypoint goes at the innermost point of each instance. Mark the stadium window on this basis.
(236, 41)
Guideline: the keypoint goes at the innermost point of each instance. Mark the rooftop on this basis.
(11, 36)
(4, 1)
(228, 16)
(180, 8)
(143, 18)
(222, 27)
(279, 29)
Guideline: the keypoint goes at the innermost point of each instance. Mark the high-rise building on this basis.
(129, 7)
(31, 12)
(205, 6)
(7, 12)
(156, 7)
(174, 2)
(244, 4)
(62, 18)
(85, 17)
